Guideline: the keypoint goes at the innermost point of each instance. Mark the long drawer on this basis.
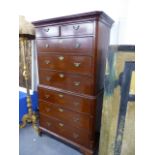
(66, 63)
(65, 130)
(70, 82)
(65, 45)
(76, 103)
(75, 119)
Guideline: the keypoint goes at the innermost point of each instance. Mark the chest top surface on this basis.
(94, 15)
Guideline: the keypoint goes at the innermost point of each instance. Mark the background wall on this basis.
(122, 31)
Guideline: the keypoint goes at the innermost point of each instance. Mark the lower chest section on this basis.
(68, 115)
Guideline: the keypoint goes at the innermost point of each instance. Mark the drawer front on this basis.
(75, 103)
(77, 29)
(49, 31)
(65, 130)
(75, 119)
(70, 82)
(65, 45)
(66, 63)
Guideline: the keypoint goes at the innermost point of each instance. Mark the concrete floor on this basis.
(32, 144)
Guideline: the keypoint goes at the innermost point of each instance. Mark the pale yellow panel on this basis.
(106, 121)
(128, 143)
(115, 104)
(132, 84)
(121, 58)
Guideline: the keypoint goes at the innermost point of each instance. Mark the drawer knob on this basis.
(77, 64)
(76, 83)
(61, 96)
(48, 124)
(47, 45)
(77, 45)
(61, 110)
(61, 58)
(47, 96)
(48, 78)
(61, 124)
(47, 62)
(76, 27)
(46, 29)
(75, 135)
(61, 75)
(48, 109)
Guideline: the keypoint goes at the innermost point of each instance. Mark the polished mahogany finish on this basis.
(67, 63)
(64, 129)
(76, 29)
(49, 31)
(82, 121)
(71, 59)
(65, 44)
(63, 80)
(78, 103)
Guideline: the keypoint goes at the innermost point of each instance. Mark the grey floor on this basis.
(32, 144)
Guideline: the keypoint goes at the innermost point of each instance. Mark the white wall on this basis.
(119, 10)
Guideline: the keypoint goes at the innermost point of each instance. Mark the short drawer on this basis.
(75, 29)
(79, 104)
(73, 118)
(71, 82)
(49, 31)
(66, 63)
(65, 130)
(66, 45)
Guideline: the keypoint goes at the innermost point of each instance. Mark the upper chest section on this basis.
(66, 29)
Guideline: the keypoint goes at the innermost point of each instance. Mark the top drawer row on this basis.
(73, 29)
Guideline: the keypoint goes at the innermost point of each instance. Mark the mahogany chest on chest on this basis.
(71, 65)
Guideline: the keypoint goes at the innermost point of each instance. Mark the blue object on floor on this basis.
(23, 104)
(32, 144)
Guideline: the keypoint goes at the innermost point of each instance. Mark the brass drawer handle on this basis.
(47, 96)
(77, 45)
(48, 78)
(48, 109)
(76, 27)
(61, 110)
(61, 58)
(77, 64)
(46, 29)
(61, 75)
(76, 119)
(61, 124)
(47, 45)
(76, 83)
(76, 103)
(61, 96)
(47, 62)
(48, 124)
(75, 135)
